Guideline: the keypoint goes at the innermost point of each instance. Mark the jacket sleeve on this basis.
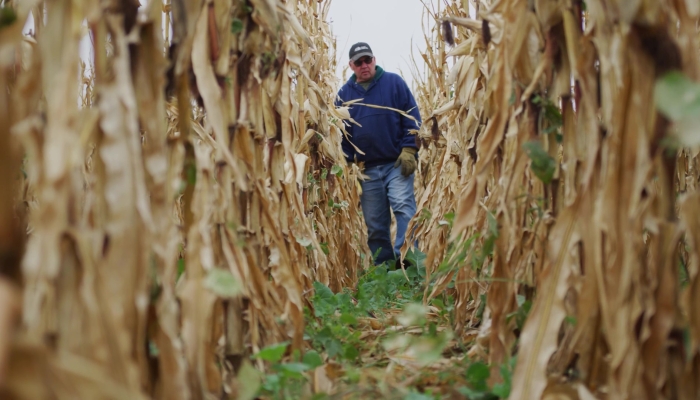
(408, 104)
(348, 150)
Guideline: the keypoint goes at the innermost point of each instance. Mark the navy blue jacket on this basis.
(384, 132)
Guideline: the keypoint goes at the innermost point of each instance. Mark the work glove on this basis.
(407, 160)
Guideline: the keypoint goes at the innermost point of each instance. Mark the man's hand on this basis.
(407, 160)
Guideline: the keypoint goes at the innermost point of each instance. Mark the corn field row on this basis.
(544, 142)
(168, 205)
(204, 158)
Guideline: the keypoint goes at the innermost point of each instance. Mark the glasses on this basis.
(364, 60)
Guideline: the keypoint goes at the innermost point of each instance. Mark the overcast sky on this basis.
(388, 26)
(391, 27)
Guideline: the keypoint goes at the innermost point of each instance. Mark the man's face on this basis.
(364, 68)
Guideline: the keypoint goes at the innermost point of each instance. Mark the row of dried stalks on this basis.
(599, 248)
(199, 137)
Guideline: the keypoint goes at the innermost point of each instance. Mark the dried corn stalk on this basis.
(195, 147)
(592, 227)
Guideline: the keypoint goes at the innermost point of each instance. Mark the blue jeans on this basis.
(385, 188)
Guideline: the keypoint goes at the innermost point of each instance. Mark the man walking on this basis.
(389, 149)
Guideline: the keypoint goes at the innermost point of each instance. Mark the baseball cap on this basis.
(360, 49)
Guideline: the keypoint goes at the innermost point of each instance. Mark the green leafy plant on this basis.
(550, 115)
(337, 170)
(7, 16)
(521, 313)
(286, 380)
(488, 244)
(477, 376)
(542, 165)
(384, 287)
(332, 325)
(425, 215)
(330, 330)
(678, 98)
(236, 26)
(223, 283)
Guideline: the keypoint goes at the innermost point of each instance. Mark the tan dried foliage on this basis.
(599, 249)
(201, 136)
